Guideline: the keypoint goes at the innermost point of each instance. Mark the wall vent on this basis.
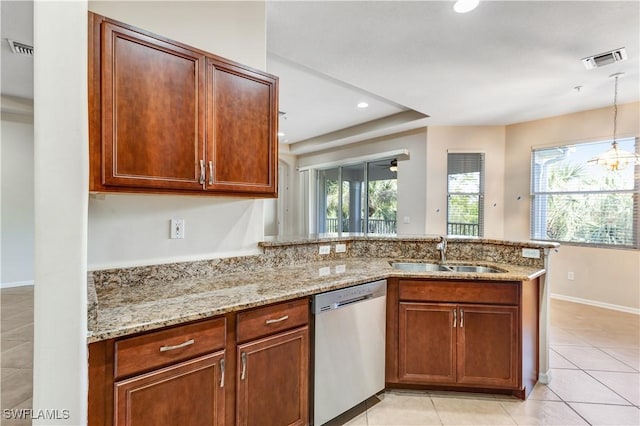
(605, 58)
(20, 48)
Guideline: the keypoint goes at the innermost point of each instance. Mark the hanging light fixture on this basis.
(615, 158)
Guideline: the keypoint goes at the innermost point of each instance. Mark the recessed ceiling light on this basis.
(363, 105)
(280, 134)
(464, 6)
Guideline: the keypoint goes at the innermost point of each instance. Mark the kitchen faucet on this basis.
(442, 246)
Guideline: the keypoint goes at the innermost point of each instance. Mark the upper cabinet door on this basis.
(152, 111)
(242, 122)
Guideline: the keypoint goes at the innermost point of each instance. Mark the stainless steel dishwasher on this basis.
(349, 348)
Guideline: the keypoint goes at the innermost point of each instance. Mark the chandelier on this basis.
(615, 158)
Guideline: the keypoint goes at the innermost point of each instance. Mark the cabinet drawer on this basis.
(502, 293)
(161, 348)
(272, 319)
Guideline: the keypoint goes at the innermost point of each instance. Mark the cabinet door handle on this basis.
(461, 318)
(455, 318)
(273, 321)
(180, 346)
(243, 360)
(210, 172)
(202, 172)
(222, 373)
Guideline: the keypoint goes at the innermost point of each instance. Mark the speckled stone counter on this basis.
(130, 300)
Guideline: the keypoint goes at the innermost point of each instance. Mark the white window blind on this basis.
(465, 194)
(577, 202)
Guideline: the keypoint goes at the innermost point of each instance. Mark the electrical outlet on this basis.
(177, 229)
(324, 249)
(406, 219)
(570, 276)
(341, 248)
(531, 253)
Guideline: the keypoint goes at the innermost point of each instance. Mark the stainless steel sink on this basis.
(473, 268)
(418, 267)
(435, 267)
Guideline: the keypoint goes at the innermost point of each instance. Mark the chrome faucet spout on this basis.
(442, 246)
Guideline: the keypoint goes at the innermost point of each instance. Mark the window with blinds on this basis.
(577, 202)
(465, 194)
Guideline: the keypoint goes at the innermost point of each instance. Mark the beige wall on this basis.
(481, 139)
(602, 276)
(129, 230)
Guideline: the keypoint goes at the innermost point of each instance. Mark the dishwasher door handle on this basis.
(352, 301)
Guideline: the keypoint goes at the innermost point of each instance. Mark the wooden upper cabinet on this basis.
(153, 116)
(242, 116)
(166, 117)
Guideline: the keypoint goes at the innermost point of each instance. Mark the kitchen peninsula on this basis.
(219, 296)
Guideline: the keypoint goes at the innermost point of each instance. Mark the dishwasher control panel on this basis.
(346, 296)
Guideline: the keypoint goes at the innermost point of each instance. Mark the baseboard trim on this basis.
(16, 284)
(544, 378)
(595, 303)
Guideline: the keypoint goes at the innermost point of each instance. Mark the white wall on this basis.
(61, 198)
(130, 229)
(602, 276)
(232, 29)
(412, 173)
(17, 228)
(486, 139)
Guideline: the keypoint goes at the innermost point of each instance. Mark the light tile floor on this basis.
(16, 351)
(595, 361)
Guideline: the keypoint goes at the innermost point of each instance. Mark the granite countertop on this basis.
(120, 311)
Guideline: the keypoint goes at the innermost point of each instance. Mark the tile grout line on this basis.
(603, 384)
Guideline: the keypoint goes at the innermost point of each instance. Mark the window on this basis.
(344, 191)
(575, 202)
(465, 194)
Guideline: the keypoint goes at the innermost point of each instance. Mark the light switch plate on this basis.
(324, 249)
(341, 248)
(531, 253)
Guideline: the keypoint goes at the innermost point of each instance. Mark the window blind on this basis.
(577, 202)
(465, 194)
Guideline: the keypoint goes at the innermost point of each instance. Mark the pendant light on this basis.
(615, 159)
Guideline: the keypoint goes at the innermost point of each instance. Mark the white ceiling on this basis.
(503, 63)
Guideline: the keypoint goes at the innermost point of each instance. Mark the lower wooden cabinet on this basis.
(471, 335)
(273, 384)
(463, 344)
(249, 368)
(427, 343)
(488, 346)
(191, 393)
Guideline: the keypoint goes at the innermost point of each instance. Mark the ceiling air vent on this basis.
(20, 48)
(605, 58)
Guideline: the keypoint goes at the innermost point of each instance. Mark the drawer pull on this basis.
(210, 172)
(180, 346)
(461, 318)
(222, 373)
(455, 318)
(243, 359)
(273, 321)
